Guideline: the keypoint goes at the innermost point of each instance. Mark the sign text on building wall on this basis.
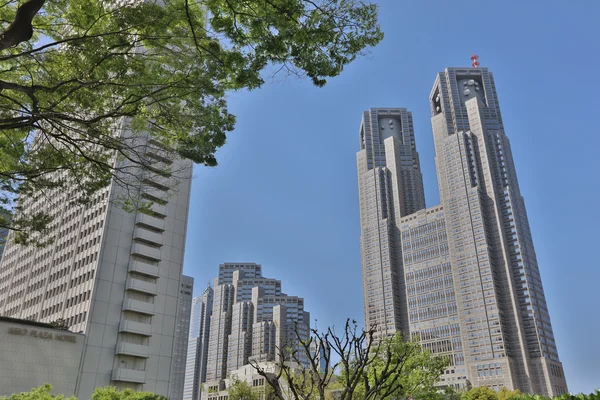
(42, 334)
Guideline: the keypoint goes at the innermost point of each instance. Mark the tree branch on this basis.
(21, 29)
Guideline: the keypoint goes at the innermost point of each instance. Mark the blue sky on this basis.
(285, 192)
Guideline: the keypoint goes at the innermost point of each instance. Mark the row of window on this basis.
(81, 278)
(77, 299)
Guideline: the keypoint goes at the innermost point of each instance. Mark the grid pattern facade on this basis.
(195, 370)
(110, 274)
(390, 187)
(180, 346)
(251, 320)
(3, 236)
(431, 293)
(501, 301)
(462, 277)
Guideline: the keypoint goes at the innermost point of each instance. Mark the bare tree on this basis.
(352, 366)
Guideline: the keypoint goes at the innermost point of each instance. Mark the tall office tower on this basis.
(195, 370)
(180, 346)
(506, 329)
(469, 270)
(220, 323)
(430, 290)
(113, 275)
(251, 321)
(390, 186)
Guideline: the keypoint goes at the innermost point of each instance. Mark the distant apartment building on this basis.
(113, 275)
(252, 321)
(180, 346)
(462, 277)
(195, 370)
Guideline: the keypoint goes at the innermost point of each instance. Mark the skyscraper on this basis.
(469, 286)
(390, 186)
(180, 345)
(251, 321)
(195, 370)
(114, 275)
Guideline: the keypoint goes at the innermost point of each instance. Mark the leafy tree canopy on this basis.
(485, 393)
(110, 393)
(350, 366)
(505, 394)
(416, 370)
(480, 393)
(42, 393)
(240, 390)
(75, 74)
(104, 393)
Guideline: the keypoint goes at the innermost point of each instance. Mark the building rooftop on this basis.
(29, 322)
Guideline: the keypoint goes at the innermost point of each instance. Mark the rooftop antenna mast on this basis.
(475, 63)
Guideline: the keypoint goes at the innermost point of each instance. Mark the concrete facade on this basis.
(180, 347)
(32, 354)
(390, 186)
(3, 236)
(257, 382)
(251, 321)
(465, 274)
(430, 290)
(195, 370)
(246, 374)
(113, 275)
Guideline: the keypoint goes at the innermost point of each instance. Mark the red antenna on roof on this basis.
(475, 63)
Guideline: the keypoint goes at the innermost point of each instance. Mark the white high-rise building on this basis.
(252, 321)
(180, 347)
(462, 277)
(390, 187)
(195, 370)
(113, 275)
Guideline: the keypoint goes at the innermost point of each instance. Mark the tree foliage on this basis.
(41, 393)
(505, 394)
(60, 323)
(75, 74)
(104, 393)
(480, 393)
(354, 368)
(485, 393)
(418, 370)
(111, 393)
(240, 390)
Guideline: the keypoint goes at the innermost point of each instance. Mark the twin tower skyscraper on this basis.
(461, 277)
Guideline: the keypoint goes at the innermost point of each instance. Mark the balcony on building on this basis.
(139, 285)
(139, 328)
(145, 251)
(154, 193)
(143, 268)
(150, 221)
(128, 375)
(145, 235)
(157, 181)
(138, 306)
(159, 210)
(161, 165)
(135, 350)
